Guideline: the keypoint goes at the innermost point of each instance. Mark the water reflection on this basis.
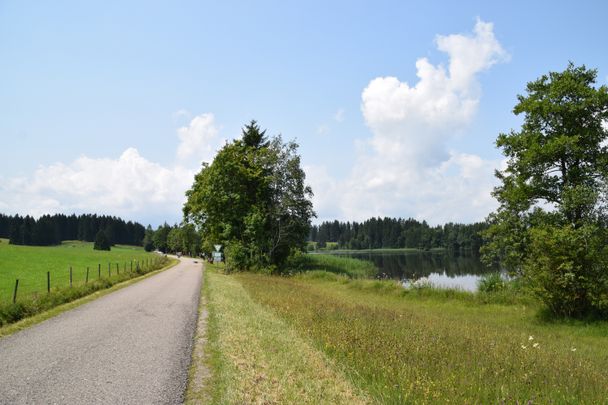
(442, 270)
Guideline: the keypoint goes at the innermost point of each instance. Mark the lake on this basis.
(441, 269)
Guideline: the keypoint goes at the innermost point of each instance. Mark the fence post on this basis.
(117, 269)
(86, 281)
(98, 270)
(131, 266)
(15, 292)
(70, 276)
(109, 270)
(48, 282)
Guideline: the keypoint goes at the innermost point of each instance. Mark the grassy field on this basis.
(383, 344)
(30, 264)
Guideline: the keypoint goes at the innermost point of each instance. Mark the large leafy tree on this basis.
(253, 199)
(550, 227)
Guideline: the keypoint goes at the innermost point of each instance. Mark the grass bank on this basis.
(385, 344)
(401, 347)
(255, 356)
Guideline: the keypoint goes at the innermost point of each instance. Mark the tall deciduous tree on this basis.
(551, 223)
(253, 199)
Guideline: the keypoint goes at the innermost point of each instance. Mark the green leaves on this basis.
(553, 191)
(253, 199)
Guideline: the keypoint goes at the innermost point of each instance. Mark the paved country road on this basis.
(132, 346)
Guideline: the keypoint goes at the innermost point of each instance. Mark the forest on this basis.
(52, 229)
(383, 233)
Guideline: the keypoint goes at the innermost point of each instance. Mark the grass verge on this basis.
(34, 312)
(255, 357)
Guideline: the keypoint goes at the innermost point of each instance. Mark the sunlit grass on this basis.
(347, 266)
(255, 357)
(405, 347)
(30, 265)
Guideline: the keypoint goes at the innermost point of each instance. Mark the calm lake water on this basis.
(442, 270)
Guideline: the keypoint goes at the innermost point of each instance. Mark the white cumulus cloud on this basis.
(413, 122)
(130, 185)
(405, 169)
(197, 140)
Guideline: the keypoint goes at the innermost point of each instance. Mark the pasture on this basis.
(30, 265)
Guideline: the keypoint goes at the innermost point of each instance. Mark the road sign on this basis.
(217, 247)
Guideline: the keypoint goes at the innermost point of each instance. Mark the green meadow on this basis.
(30, 265)
(375, 342)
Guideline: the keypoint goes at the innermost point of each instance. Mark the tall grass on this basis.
(403, 349)
(353, 268)
(256, 358)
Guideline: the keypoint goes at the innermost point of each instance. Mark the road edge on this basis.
(199, 373)
(43, 316)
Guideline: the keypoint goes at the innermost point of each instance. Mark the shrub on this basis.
(101, 241)
(567, 269)
(236, 257)
(492, 282)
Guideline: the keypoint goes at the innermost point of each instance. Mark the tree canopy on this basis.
(550, 227)
(253, 199)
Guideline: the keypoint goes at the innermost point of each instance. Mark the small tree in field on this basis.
(101, 241)
(551, 226)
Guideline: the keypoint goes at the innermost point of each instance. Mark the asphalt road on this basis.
(132, 346)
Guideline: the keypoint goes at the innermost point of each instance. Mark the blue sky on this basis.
(110, 106)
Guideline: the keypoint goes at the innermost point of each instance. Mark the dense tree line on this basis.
(52, 229)
(378, 233)
(183, 239)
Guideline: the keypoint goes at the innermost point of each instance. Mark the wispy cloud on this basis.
(339, 115)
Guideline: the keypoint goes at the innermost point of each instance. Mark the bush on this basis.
(236, 257)
(567, 269)
(101, 241)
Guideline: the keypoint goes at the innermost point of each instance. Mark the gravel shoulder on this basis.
(131, 346)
